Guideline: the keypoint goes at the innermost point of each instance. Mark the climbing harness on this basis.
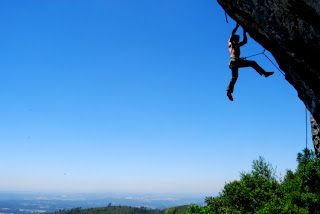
(244, 58)
(233, 62)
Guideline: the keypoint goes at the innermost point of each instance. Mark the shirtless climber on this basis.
(237, 62)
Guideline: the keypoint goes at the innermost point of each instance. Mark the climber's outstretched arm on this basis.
(234, 31)
(245, 39)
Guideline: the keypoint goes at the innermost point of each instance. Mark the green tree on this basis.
(259, 192)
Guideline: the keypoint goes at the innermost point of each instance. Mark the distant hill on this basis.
(125, 210)
(176, 210)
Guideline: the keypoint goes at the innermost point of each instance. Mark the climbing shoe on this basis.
(266, 74)
(230, 96)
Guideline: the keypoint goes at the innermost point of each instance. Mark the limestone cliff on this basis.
(290, 30)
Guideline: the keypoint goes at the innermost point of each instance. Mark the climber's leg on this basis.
(247, 63)
(232, 82)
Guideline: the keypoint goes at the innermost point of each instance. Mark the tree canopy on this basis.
(259, 191)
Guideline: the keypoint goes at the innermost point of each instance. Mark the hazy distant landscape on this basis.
(24, 203)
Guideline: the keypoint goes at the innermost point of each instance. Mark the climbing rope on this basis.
(275, 65)
(305, 160)
(306, 128)
(268, 59)
(225, 13)
(305, 155)
(253, 55)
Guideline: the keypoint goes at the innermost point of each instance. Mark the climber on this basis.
(237, 62)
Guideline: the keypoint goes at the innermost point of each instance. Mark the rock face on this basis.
(290, 30)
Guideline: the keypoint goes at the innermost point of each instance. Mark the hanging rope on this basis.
(305, 154)
(305, 159)
(306, 128)
(225, 13)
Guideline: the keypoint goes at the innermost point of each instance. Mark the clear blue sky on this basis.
(122, 95)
